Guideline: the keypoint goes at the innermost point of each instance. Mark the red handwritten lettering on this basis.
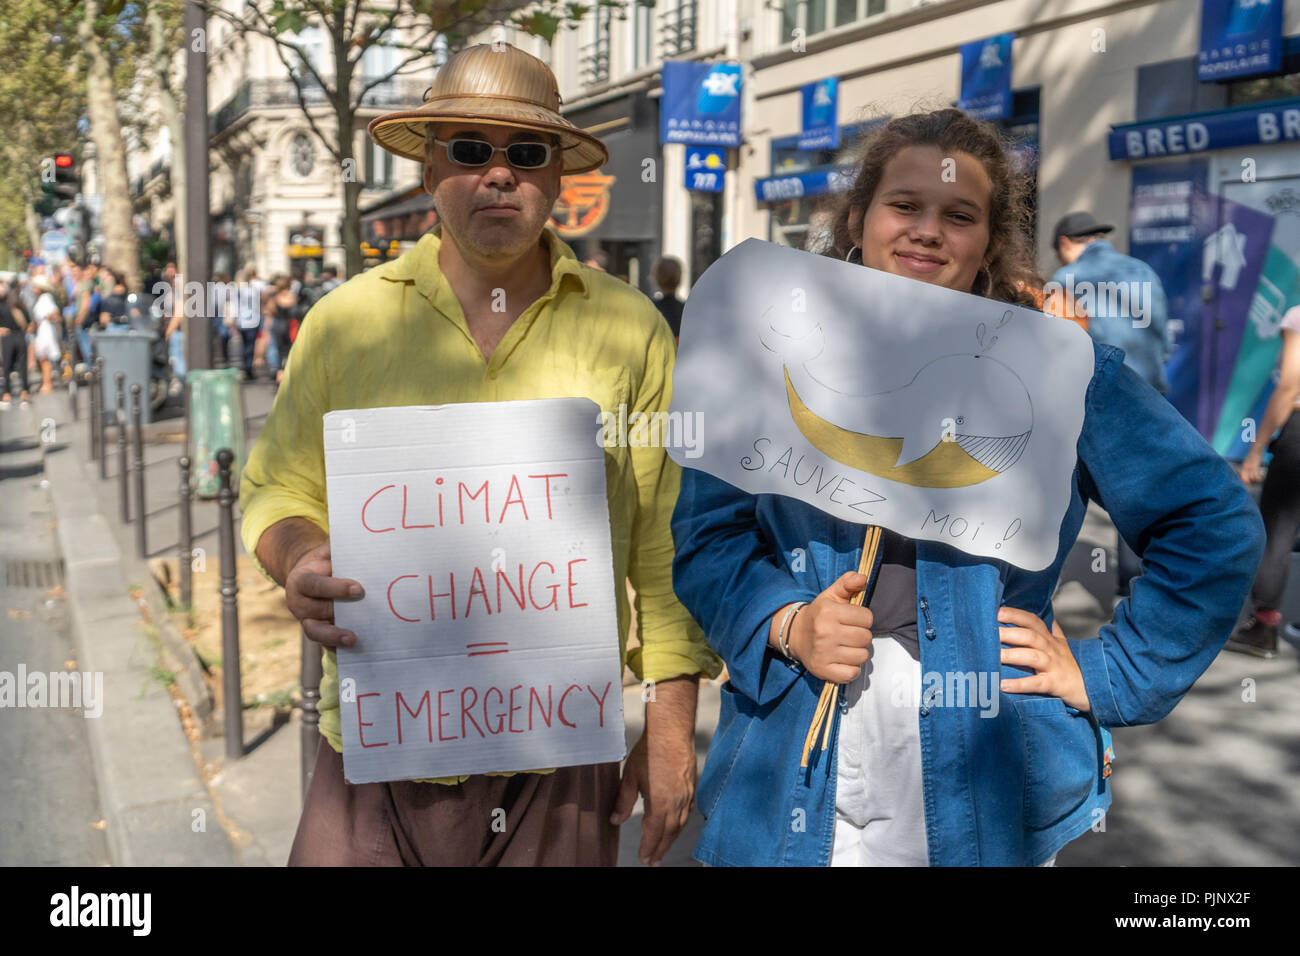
(513, 496)
(424, 701)
(571, 564)
(546, 483)
(519, 598)
(487, 718)
(409, 527)
(460, 501)
(476, 586)
(546, 714)
(513, 708)
(363, 723)
(367, 505)
(433, 615)
(409, 620)
(442, 714)
(555, 601)
(560, 709)
(600, 701)
(465, 711)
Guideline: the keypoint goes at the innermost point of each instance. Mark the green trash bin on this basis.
(216, 422)
(131, 352)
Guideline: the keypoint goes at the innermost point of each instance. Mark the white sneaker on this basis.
(3, 406)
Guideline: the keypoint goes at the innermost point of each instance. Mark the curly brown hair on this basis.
(1011, 275)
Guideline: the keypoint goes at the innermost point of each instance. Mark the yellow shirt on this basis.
(396, 335)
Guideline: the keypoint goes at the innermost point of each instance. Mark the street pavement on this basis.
(1215, 783)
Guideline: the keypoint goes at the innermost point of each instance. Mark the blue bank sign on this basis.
(1266, 126)
(820, 128)
(986, 77)
(700, 104)
(814, 182)
(1239, 38)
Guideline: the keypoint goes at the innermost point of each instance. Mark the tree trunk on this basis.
(160, 59)
(121, 247)
(345, 116)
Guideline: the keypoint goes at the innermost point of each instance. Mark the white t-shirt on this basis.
(1290, 323)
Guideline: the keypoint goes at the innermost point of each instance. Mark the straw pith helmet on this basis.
(497, 85)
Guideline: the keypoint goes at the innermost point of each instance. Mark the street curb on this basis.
(158, 810)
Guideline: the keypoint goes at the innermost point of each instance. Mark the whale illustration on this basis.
(959, 420)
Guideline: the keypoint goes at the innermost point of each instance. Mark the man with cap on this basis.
(428, 329)
(1125, 303)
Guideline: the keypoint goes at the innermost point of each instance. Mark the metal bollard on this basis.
(309, 676)
(185, 557)
(141, 550)
(99, 425)
(72, 397)
(124, 498)
(234, 701)
(96, 417)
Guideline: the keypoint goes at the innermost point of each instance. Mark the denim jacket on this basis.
(1126, 307)
(1009, 788)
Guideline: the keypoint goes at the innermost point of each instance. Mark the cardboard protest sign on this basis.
(487, 639)
(884, 400)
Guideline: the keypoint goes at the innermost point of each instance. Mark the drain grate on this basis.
(39, 574)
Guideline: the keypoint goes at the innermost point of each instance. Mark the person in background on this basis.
(1134, 320)
(282, 309)
(667, 274)
(114, 315)
(599, 259)
(13, 345)
(248, 316)
(49, 323)
(1279, 500)
(89, 297)
(329, 279)
(222, 319)
(174, 333)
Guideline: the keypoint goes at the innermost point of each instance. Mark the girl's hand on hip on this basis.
(831, 637)
(1056, 671)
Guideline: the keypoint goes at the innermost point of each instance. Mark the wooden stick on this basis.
(830, 691)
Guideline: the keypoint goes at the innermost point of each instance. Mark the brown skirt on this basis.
(529, 819)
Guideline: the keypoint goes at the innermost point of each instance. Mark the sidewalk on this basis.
(1212, 784)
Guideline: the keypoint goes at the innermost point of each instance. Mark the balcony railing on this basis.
(257, 94)
(593, 60)
(677, 28)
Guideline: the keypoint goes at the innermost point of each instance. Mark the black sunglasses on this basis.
(475, 152)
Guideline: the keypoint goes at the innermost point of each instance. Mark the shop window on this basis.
(1172, 89)
(818, 16)
(379, 167)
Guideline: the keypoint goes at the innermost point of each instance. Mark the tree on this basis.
(41, 102)
(101, 35)
(354, 26)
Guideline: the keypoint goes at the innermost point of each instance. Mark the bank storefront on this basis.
(1214, 208)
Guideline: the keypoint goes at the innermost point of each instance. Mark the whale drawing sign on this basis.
(487, 639)
(884, 400)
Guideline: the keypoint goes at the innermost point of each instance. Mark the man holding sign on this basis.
(494, 309)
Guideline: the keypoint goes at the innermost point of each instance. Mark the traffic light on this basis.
(66, 182)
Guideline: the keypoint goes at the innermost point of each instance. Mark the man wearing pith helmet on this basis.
(427, 329)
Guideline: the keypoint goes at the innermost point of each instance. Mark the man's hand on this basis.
(1057, 672)
(310, 593)
(661, 767)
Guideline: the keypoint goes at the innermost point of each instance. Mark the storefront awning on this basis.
(810, 182)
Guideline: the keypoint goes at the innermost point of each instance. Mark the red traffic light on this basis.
(62, 160)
